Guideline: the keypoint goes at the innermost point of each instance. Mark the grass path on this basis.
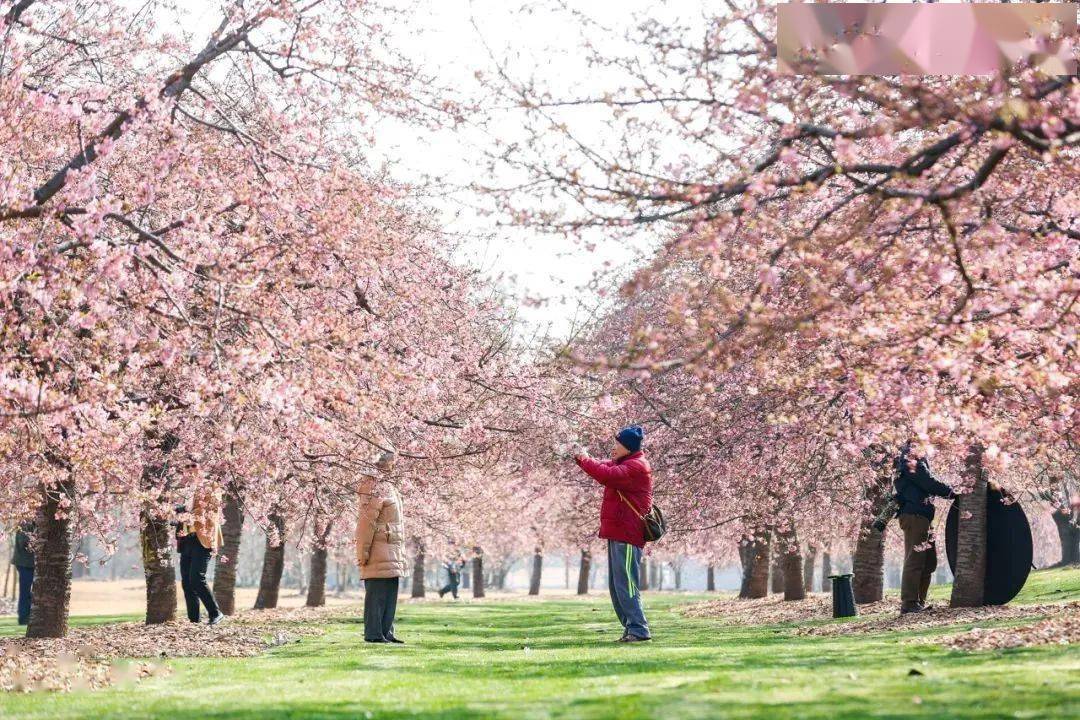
(556, 659)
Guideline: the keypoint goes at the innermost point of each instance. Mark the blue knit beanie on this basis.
(631, 437)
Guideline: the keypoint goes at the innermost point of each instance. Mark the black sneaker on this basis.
(393, 639)
(628, 638)
(376, 640)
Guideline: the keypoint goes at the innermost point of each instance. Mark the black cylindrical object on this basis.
(1009, 547)
(843, 597)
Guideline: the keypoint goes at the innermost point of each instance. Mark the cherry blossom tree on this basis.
(202, 282)
(865, 259)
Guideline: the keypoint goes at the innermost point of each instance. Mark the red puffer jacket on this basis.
(632, 476)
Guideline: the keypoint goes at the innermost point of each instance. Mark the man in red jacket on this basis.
(627, 482)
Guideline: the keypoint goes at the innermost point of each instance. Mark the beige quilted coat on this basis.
(206, 519)
(380, 531)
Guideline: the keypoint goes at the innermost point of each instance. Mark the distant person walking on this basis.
(198, 539)
(453, 576)
(915, 486)
(23, 559)
(627, 481)
(380, 538)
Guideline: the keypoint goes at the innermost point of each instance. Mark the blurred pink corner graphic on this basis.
(925, 39)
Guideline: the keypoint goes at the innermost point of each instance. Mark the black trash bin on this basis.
(843, 597)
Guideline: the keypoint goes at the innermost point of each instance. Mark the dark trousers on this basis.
(624, 564)
(194, 560)
(920, 559)
(380, 606)
(26, 583)
(450, 587)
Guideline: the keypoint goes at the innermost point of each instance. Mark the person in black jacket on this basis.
(23, 560)
(915, 488)
(453, 572)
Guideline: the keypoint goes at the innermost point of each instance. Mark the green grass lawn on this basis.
(556, 659)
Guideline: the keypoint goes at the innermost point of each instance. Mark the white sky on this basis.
(452, 39)
(456, 38)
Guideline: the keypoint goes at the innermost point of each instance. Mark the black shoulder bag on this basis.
(655, 525)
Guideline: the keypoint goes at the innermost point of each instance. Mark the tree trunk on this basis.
(710, 578)
(941, 575)
(228, 558)
(316, 592)
(776, 582)
(419, 561)
(273, 565)
(968, 586)
(583, 573)
(156, 539)
(78, 568)
(747, 551)
(808, 568)
(868, 560)
(791, 562)
(894, 574)
(466, 577)
(868, 564)
(537, 571)
(826, 571)
(52, 565)
(1068, 530)
(478, 574)
(645, 583)
(316, 589)
(758, 587)
(504, 570)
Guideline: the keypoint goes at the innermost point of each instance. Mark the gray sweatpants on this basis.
(624, 563)
(380, 606)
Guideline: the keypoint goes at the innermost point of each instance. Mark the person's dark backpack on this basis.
(655, 525)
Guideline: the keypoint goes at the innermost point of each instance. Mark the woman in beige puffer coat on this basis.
(380, 551)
